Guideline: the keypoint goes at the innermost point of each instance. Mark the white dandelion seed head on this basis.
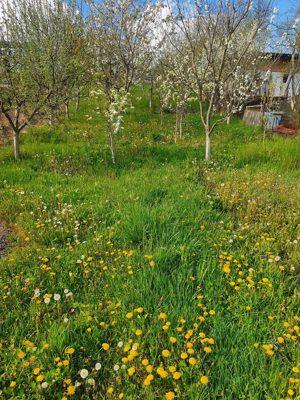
(83, 373)
(98, 366)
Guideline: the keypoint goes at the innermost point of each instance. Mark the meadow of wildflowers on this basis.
(162, 277)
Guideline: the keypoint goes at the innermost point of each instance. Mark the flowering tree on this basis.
(220, 38)
(41, 57)
(121, 31)
(173, 86)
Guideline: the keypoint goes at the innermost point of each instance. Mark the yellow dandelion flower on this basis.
(145, 362)
(280, 339)
(21, 355)
(166, 353)
(173, 339)
(105, 346)
(170, 395)
(138, 332)
(204, 380)
(39, 378)
(129, 315)
(12, 384)
(184, 355)
(70, 350)
(149, 368)
(176, 375)
(269, 352)
(295, 370)
(162, 372)
(207, 349)
(71, 390)
(193, 361)
(110, 390)
(131, 371)
(150, 377)
(36, 371)
(162, 315)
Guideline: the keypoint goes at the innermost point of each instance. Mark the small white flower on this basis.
(44, 385)
(56, 297)
(116, 367)
(83, 373)
(66, 291)
(120, 344)
(69, 294)
(91, 381)
(277, 258)
(36, 292)
(98, 366)
(66, 320)
(47, 300)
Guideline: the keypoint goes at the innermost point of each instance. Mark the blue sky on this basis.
(285, 5)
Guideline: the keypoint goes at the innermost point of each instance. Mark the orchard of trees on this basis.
(208, 51)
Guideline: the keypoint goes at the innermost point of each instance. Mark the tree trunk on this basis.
(176, 126)
(161, 116)
(151, 97)
(207, 146)
(180, 125)
(111, 145)
(16, 145)
(77, 101)
(228, 119)
(67, 110)
(50, 117)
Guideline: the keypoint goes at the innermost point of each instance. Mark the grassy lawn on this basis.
(160, 277)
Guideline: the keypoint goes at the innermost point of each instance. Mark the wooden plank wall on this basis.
(252, 117)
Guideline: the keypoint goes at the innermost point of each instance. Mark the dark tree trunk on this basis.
(77, 101)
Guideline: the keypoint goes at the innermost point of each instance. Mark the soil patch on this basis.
(4, 233)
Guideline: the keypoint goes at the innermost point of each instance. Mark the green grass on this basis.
(223, 238)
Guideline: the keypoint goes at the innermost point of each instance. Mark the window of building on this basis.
(285, 78)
